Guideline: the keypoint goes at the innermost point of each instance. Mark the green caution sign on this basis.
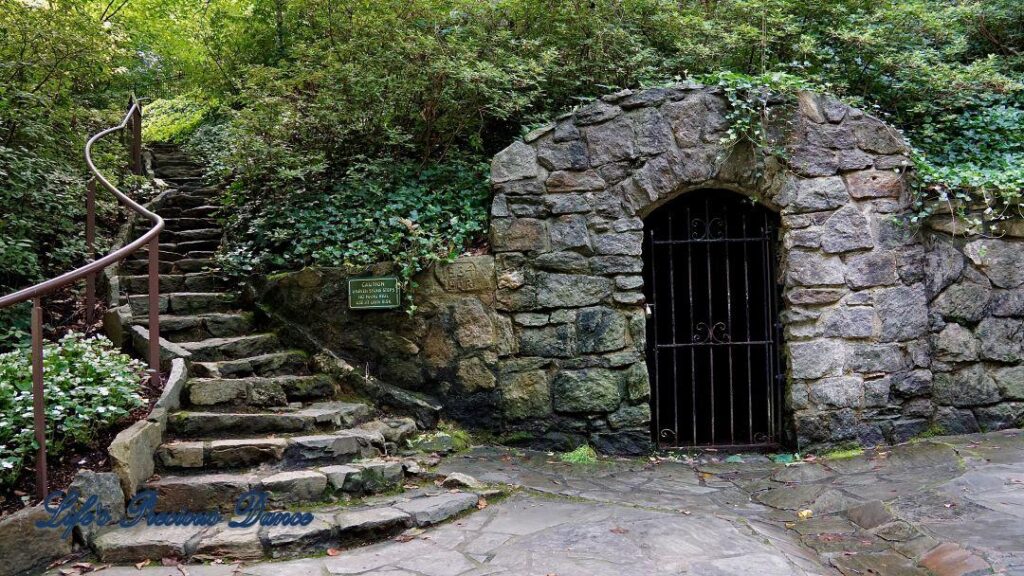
(373, 293)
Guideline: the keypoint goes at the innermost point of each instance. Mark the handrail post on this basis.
(135, 127)
(154, 312)
(38, 401)
(90, 247)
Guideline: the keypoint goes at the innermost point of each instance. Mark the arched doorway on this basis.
(713, 335)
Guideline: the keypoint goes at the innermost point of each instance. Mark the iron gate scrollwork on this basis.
(713, 333)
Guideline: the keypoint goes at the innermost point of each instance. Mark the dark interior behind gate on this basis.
(713, 333)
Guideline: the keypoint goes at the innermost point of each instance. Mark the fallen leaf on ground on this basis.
(481, 503)
(333, 551)
(805, 514)
(618, 530)
(143, 564)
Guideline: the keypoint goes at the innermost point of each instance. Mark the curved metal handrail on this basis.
(132, 122)
(53, 284)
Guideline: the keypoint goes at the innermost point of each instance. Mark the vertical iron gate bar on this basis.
(766, 256)
(693, 357)
(765, 317)
(652, 318)
(728, 333)
(675, 354)
(746, 313)
(711, 310)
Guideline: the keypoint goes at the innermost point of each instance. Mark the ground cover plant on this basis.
(89, 387)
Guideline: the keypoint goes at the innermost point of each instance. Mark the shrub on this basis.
(383, 211)
(90, 386)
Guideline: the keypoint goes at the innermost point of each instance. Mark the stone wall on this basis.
(976, 287)
(450, 348)
(547, 336)
(567, 234)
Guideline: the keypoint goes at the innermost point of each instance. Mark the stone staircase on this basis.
(255, 414)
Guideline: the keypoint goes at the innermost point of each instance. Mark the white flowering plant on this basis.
(89, 386)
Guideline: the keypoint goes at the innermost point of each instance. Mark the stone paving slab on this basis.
(535, 534)
(942, 506)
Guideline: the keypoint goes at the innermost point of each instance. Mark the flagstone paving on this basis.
(943, 506)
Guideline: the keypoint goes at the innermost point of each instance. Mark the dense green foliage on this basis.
(313, 95)
(376, 212)
(60, 78)
(317, 85)
(89, 387)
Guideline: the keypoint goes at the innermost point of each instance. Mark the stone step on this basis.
(135, 267)
(231, 347)
(194, 234)
(328, 450)
(164, 246)
(197, 327)
(195, 180)
(167, 253)
(178, 171)
(330, 528)
(183, 241)
(208, 209)
(201, 254)
(184, 266)
(185, 303)
(168, 172)
(257, 390)
(196, 246)
(195, 265)
(204, 211)
(288, 362)
(307, 419)
(172, 159)
(191, 192)
(191, 282)
(182, 200)
(176, 223)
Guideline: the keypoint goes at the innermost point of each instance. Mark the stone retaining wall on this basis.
(448, 349)
(976, 287)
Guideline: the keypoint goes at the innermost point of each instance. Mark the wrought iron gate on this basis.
(712, 333)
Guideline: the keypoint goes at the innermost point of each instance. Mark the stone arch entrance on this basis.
(567, 233)
(713, 331)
